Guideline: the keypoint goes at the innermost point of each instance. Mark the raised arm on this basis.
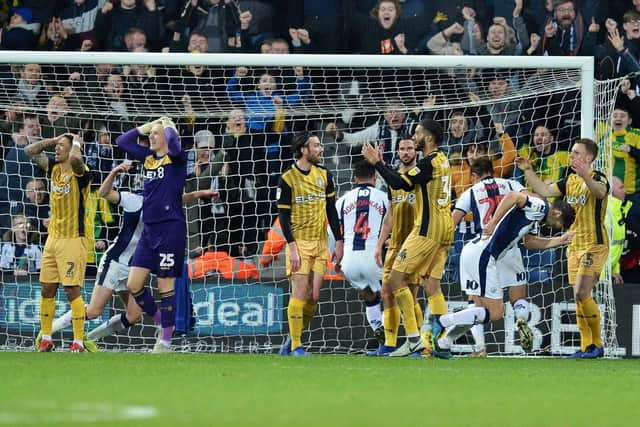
(128, 142)
(35, 151)
(596, 183)
(75, 156)
(199, 194)
(539, 187)
(106, 190)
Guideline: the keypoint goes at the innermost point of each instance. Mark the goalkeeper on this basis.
(162, 243)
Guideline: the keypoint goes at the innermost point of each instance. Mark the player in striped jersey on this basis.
(361, 211)
(586, 190)
(306, 197)
(64, 257)
(484, 261)
(425, 250)
(397, 224)
(482, 199)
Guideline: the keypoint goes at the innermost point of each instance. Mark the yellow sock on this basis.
(308, 311)
(591, 313)
(47, 311)
(404, 299)
(391, 325)
(583, 326)
(438, 304)
(77, 318)
(419, 315)
(295, 315)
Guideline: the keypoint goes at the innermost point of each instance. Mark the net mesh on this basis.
(236, 124)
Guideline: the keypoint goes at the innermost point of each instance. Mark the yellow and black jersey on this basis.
(305, 194)
(430, 182)
(67, 200)
(402, 205)
(589, 224)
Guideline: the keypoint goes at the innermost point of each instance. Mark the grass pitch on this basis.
(256, 390)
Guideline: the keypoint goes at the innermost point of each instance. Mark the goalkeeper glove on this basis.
(168, 123)
(145, 129)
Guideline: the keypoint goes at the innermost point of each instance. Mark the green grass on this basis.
(258, 390)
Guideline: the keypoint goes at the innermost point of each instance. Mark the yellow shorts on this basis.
(313, 257)
(389, 259)
(588, 262)
(64, 261)
(422, 256)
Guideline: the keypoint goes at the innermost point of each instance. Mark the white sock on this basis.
(468, 316)
(478, 336)
(521, 309)
(79, 342)
(61, 322)
(374, 316)
(107, 328)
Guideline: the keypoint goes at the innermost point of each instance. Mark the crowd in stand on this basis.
(237, 123)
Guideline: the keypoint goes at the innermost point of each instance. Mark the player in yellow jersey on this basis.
(425, 250)
(586, 190)
(306, 199)
(65, 253)
(398, 223)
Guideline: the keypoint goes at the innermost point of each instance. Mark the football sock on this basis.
(438, 304)
(308, 311)
(146, 302)
(404, 299)
(391, 325)
(109, 327)
(469, 316)
(583, 326)
(47, 311)
(478, 336)
(419, 316)
(61, 322)
(167, 314)
(295, 316)
(374, 313)
(77, 318)
(521, 309)
(591, 313)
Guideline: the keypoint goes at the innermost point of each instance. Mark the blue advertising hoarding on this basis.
(228, 309)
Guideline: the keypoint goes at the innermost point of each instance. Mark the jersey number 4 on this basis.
(361, 226)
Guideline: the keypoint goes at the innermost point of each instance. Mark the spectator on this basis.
(499, 86)
(135, 40)
(384, 31)
(19, 250)
(78, 22)
(199, 213)
(322, 21)
(58, 120)
(31, 89)
(566, 34)
(100, 154)
(267, 103)
(502, 39)
(54, 36)
(462, 131)
(619, 56)
(36, 206)
(17, 167)
(113, 22)
(385, 132)
(197, 43)
(617, 210)
(19, 35)
(218, 20)
(145, 82)
(548, 160)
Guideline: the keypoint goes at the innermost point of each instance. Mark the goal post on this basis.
(243, 308)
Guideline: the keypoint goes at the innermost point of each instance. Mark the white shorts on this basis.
(112, 275)
(361, 271)
(481, 274)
